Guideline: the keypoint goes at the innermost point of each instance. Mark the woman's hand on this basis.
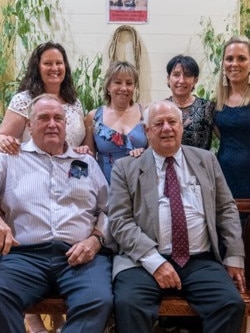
(9, 145)
(136, 152)
(83, 150)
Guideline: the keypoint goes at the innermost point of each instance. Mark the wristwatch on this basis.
(100, 238)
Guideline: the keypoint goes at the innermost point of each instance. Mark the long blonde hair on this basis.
(223, 91)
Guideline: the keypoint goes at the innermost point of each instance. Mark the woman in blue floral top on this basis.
(115, 129)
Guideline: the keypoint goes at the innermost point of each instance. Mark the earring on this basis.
(224, 79)
(249, 78)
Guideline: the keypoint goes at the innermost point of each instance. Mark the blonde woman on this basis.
(232, 118)
(115, 130)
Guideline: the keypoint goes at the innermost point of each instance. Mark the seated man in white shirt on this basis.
(148, 264)
(54, 233)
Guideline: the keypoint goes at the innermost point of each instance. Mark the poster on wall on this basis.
(133, 11)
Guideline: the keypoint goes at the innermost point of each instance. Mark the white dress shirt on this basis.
(194, 212)
(43, 203)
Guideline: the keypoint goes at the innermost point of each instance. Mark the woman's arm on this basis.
(89, 138)
(11, 129)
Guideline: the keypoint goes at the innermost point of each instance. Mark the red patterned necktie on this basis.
(180, 246)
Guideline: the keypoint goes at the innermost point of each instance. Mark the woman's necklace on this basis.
(237, 99)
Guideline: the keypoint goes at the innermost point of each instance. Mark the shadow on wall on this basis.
(126, 44)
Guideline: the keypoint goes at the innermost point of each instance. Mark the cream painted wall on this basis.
(172, 28)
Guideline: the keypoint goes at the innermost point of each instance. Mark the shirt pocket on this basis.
(191, 195)
(77, 188)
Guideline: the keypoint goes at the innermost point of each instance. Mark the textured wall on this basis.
(172, 28)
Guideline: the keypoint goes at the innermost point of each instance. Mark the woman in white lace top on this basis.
(48, 71)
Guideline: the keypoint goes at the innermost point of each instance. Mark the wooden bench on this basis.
(170, 306)
(176, 307)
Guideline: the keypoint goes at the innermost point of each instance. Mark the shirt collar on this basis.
(30, 146)
(160, 160)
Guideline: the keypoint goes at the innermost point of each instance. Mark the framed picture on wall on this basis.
(133, 11)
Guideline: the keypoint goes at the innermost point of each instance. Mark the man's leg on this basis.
(137, 297)
(88, 292)
(211, 291)
(21, 284)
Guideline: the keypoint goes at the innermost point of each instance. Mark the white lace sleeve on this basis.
(75, 128)
(19, 103)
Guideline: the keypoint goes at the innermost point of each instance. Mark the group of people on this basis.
(88, 220)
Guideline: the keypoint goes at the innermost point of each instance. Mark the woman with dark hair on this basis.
(116, 129)
(198, 113)
(48, 71)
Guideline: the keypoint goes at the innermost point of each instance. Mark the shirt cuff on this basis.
(102, 226)
(234, 261)
(152, 260)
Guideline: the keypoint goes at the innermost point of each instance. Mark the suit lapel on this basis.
(149, 184)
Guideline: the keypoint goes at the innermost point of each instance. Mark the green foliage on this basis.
(215, 144)
(89, 82)
(25, 24)
(245, 19)
(213, 44)
(213, 47)
(21, 23)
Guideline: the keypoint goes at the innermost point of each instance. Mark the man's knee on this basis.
(128, 300)
(239, 305)
(233, 303)
(9, 296)
(106, 300)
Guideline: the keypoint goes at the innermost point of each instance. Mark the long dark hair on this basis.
(32, 80)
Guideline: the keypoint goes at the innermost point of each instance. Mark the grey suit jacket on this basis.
(134, 213)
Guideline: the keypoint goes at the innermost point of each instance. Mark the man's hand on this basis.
(167, 277)
(83, 252)
(6, 238)
(238, 275)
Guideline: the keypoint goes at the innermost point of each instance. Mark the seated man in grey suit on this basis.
(54, 233)
(144, 221)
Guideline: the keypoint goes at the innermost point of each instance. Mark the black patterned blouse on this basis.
(198, 123)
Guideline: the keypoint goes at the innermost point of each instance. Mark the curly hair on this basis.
(32, 80)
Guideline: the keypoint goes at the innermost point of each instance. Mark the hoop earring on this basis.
(224, 79)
